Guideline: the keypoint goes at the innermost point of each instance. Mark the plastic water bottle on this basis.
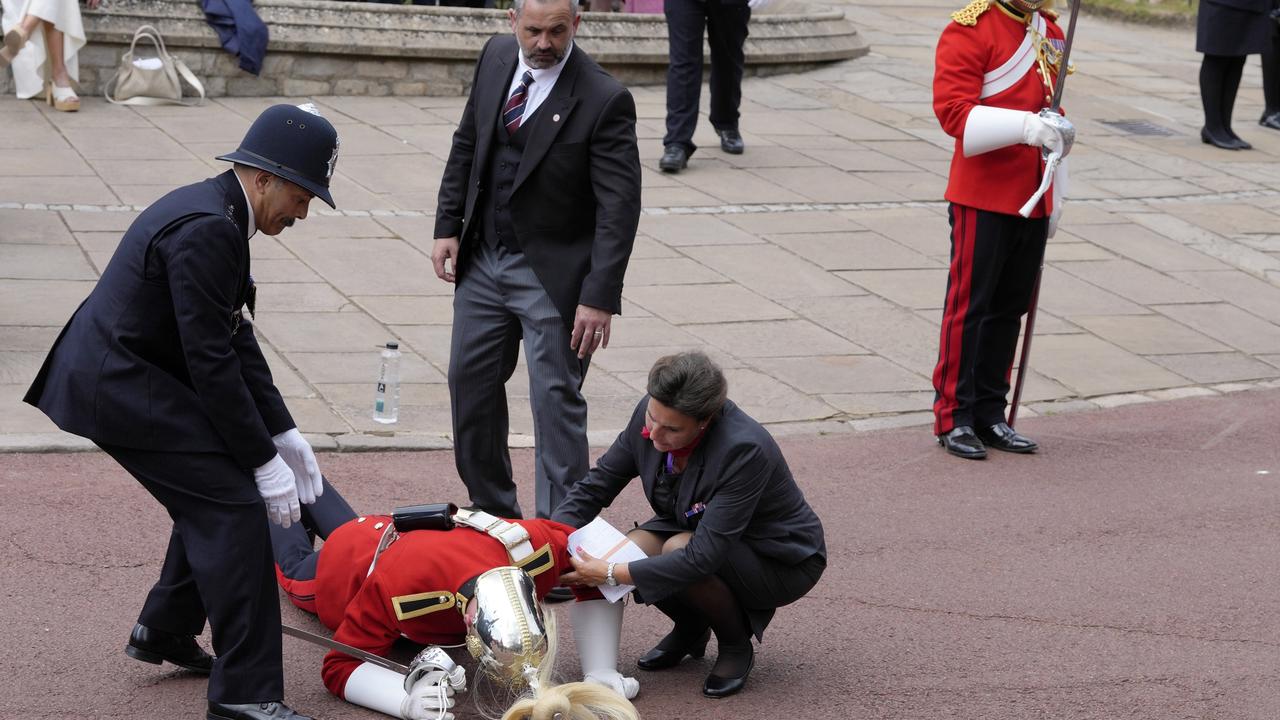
(386, 400)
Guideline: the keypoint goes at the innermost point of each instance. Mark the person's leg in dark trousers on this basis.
(483, 353)
(686, 24)
(976, 262)
(727, 22)
(555, 385)
(220, 530)
(293, 547)
(1271, 79)
(1022, 244)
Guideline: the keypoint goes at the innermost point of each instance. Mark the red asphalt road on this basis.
(1127, 571)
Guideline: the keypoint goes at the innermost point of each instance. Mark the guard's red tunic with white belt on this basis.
(411, 590)
(992, 62)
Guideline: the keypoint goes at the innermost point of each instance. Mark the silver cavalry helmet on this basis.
(506, 631)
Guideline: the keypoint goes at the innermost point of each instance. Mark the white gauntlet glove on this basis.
(1037, 133)
(279, 490)
(431, 696)
(297, 452)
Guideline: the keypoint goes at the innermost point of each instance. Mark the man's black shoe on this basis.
(961, 442)
(252, 711)
(559, 593)
(1271, 120)
(1002, 437)
(731, 141)
(155, 647)
(674, 159)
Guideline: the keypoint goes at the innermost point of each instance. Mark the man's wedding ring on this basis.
(599, 331)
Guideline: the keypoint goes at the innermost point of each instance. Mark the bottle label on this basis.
(382, 387)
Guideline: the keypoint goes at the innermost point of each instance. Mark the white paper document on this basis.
(603, 541)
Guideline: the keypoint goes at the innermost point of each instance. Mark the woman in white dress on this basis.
(41, 40)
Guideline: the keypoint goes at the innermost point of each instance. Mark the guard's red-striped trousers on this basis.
(994, 258)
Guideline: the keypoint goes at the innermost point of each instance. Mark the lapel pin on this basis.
(555, 118)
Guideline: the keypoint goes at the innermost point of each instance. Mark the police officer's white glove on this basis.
(431, 696)
(627, 687)
(297, 452)
(279, 490)
(757, 4)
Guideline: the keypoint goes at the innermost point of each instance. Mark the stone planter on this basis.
(321, 47)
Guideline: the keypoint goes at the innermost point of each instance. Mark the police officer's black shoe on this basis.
(1002, 437)
(674, 159)
(252, 711)
(155, 647)
(731, 141)
(1270, 120)
(961, 442)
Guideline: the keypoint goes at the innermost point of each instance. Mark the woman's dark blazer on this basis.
(737, 471)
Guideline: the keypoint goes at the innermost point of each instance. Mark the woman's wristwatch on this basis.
(609, 579)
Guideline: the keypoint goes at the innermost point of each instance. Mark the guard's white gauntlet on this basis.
(297, 452)
(278, 489)
(991, 128)
(430, 686)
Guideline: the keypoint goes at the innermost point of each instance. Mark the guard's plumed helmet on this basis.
(293, 142)
(506, 631)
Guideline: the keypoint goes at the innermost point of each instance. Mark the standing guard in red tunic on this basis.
(992, 90)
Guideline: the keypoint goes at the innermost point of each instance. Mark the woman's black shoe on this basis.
(661, 658)
(719, 687)
(1221, 140)
(1270, 120)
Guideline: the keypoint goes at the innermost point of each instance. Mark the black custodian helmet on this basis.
(295, 143)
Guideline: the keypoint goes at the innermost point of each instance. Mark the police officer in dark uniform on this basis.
(159, 366)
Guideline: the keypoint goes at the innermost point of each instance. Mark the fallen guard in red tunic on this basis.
(372, 585)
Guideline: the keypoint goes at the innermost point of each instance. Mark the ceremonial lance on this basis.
(1051, 165)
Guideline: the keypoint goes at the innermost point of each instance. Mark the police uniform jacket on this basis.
(412, 588)
(575, 199)
(735, 488)
(988, 57)
(159, 357)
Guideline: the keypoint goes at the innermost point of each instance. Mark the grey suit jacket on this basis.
(737, 472)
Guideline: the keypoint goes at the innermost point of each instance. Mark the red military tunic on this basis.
(411, 589)
(989, 57)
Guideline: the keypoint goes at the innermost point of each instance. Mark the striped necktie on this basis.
(515, 105)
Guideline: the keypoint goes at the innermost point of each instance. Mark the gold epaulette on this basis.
(1051, 14)
(968, 15)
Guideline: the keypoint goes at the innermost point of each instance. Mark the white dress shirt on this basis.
(253, 225)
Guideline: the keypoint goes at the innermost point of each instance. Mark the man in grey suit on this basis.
(536, 218)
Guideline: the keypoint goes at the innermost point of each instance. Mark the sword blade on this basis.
(1061, 82)
(344, 648)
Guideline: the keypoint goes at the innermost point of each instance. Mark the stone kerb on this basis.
(322, 47)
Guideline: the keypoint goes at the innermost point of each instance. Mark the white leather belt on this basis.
(512, 536)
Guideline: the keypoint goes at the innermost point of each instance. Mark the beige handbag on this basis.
(151, 80)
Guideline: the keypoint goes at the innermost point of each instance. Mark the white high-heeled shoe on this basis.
(63, 99)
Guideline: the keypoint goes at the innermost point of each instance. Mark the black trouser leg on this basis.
(1022, 244)
(174, 604)
(294, 547)
(686, 23)
(222, 524)
(726, 32)
(1271, 75)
